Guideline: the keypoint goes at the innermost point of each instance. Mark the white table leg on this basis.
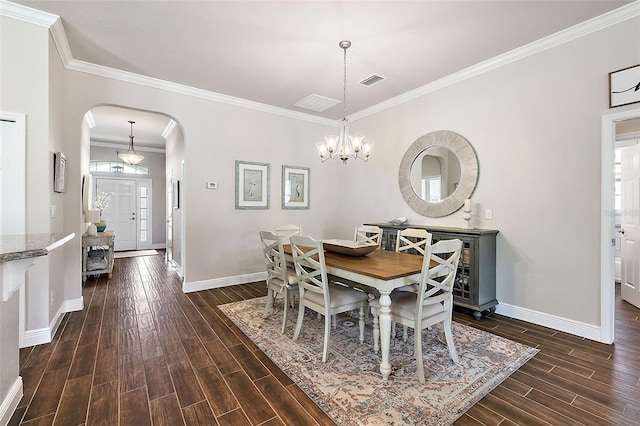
(385, 332)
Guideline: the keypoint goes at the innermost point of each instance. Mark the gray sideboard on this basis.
(475, 286)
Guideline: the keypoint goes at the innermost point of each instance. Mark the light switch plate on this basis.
(488, 214)
(212, 185)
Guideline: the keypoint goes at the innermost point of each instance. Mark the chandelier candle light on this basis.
(131, 157)
(343, 145)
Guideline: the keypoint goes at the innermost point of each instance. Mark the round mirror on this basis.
(437, 173)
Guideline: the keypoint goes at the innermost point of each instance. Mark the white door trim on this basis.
(607, 224)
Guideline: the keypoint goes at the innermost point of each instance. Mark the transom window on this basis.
(117, 167)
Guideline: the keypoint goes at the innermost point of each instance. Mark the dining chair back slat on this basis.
(412, 241)
(280, 279)
(368, 234)
(286, 231)
(317, 292)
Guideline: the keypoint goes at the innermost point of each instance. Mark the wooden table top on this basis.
(379, 264)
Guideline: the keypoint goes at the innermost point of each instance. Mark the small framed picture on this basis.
(624, 86)
(59, 170)
(295, 187)
(252, 185)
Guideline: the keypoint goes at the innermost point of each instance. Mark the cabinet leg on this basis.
(477, 315)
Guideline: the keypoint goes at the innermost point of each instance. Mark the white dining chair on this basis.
(413, 241)
(286, 231)
(368, 234)
(280, 278)
(433, 303)
(317, 293)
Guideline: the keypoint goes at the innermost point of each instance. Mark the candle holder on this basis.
(467, 217)
(467, 213)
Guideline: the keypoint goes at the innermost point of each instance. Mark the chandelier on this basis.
(343, 145)
(130, 157)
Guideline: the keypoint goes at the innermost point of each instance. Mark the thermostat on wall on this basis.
(212, 185)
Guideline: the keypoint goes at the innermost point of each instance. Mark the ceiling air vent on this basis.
(371, 80)
(316, 103)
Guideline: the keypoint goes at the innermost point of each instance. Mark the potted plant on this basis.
(102, 202)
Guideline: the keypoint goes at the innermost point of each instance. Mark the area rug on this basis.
(134, 253)
(349, 386)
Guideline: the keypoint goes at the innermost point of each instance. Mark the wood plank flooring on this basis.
(144, 353)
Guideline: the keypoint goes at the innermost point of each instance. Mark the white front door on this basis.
(631, 225)
(121, 212)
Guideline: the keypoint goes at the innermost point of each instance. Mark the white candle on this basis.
(467, 205)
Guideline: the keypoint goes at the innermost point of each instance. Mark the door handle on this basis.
(622, 231)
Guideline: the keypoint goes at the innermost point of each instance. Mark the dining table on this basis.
(381, 270)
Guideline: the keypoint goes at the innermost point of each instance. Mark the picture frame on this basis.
(252, 185)
(624, 86)
(295, 187)
(176, 195)
(59, 171)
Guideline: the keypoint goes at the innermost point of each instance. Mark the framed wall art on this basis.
(252, 185)
(59, 170)
(624, 86)
(295, 187)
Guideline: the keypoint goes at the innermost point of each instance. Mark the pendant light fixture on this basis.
(343, 145)
(131, 157)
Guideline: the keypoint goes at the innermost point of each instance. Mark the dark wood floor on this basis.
(142, 352)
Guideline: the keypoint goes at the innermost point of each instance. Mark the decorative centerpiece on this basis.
(102, 202)
(397, 221)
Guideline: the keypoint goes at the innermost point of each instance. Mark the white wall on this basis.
(535, 126)
(31, 76)
(221, 242)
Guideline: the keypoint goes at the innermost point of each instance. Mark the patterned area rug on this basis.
(349, 386)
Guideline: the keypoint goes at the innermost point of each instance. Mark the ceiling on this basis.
(277, 53)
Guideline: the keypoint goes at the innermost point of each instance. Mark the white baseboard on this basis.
(45, 335)
(177, 268)
(223, 282)
(11, 401)
(73, 305)
(577, 328)
(161, 246)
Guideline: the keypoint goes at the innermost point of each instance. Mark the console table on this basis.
(102, 239)
(475, 285)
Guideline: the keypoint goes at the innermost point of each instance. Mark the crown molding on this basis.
(27, 14)
(167, 130)
(91, 122)
(124, 146)
(608, 19)
(155, 83)
(627, 137)
(54, 23)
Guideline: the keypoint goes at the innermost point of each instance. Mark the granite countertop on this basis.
(24, 246)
